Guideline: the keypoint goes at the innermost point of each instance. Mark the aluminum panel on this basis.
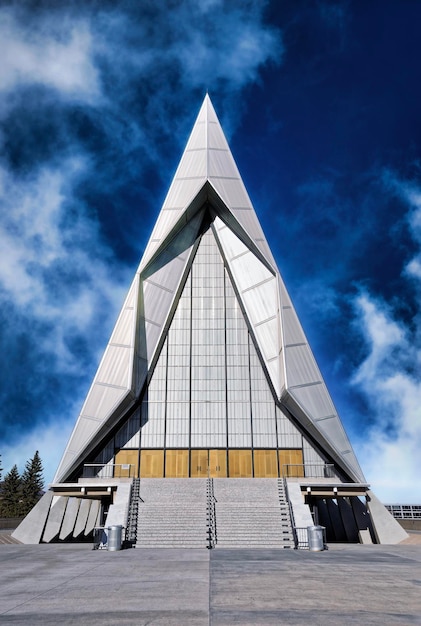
(285, 425)
(87, 427)
(197, 139)
(116, 367)
(250, 273)
(311, 456)
(216, 138)
(221, 164)
(261, 301)
(293, 333)
(333, 431)
(232, 192)
(237, 381)
(289, 441)
(316, 401)
(180, 195)
(99, 405)
(275, 375)
(239, 410)
(167, 277)
(193, 165)
(262, 304)
(268, 339)
(125, 328)
(239, 433)
(153, 428)
(300, 366)
(264, 439)
(157, 303)
(167, 218)
(248, 219)
(263, 411)
(211, 416)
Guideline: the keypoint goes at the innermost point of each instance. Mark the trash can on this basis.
(114, 538)
(315, 536)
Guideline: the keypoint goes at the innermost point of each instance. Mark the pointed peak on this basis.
(207, 112)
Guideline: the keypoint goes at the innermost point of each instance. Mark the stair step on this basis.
(175, 513)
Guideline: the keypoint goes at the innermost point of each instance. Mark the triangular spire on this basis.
(207, 188)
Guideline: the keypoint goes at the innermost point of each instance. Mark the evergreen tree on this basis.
(11, 494)
(32, 483)
(1, 469)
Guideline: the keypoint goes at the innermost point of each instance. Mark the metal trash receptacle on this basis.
(114, 538)
(315, 536)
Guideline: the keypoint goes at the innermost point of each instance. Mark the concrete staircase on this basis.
(172, 513)
(221, 513)
(252, 513)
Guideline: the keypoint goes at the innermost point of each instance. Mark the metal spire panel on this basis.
(208, 187)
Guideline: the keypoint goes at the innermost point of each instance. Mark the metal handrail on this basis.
(301, 536)
(308, 470)
(133, 513)
(291, 514)
(211, 514)
(106, 470)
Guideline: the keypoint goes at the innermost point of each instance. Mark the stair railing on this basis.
(211, 515)
(295, 530)
(133, 514)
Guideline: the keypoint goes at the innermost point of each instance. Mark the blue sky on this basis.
(320, 104)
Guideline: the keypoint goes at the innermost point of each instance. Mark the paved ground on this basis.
(72, 584)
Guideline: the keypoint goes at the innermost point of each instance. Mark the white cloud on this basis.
(43, 249)
(389, 378)
(56, 55)
(390, 447)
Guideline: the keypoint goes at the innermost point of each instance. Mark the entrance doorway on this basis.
(208, 463)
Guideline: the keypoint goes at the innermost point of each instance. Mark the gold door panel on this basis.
(126, 464)
(199, 464)
(152, 464)
(218, 463)
(240, 463)
(291, 463)
(265, 464)
(177, 464)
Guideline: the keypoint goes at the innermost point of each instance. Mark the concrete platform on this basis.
(72, 584)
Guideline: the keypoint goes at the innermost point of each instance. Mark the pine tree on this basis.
(32, 483)
(11, 494)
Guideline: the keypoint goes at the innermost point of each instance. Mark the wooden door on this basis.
(218, 463)
(265, 464)
(126, 464)
(152, 464)
(240, 463)
(291, 463)
(177, 464)
(199, 464)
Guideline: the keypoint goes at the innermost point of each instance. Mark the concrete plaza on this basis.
(73, 584)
